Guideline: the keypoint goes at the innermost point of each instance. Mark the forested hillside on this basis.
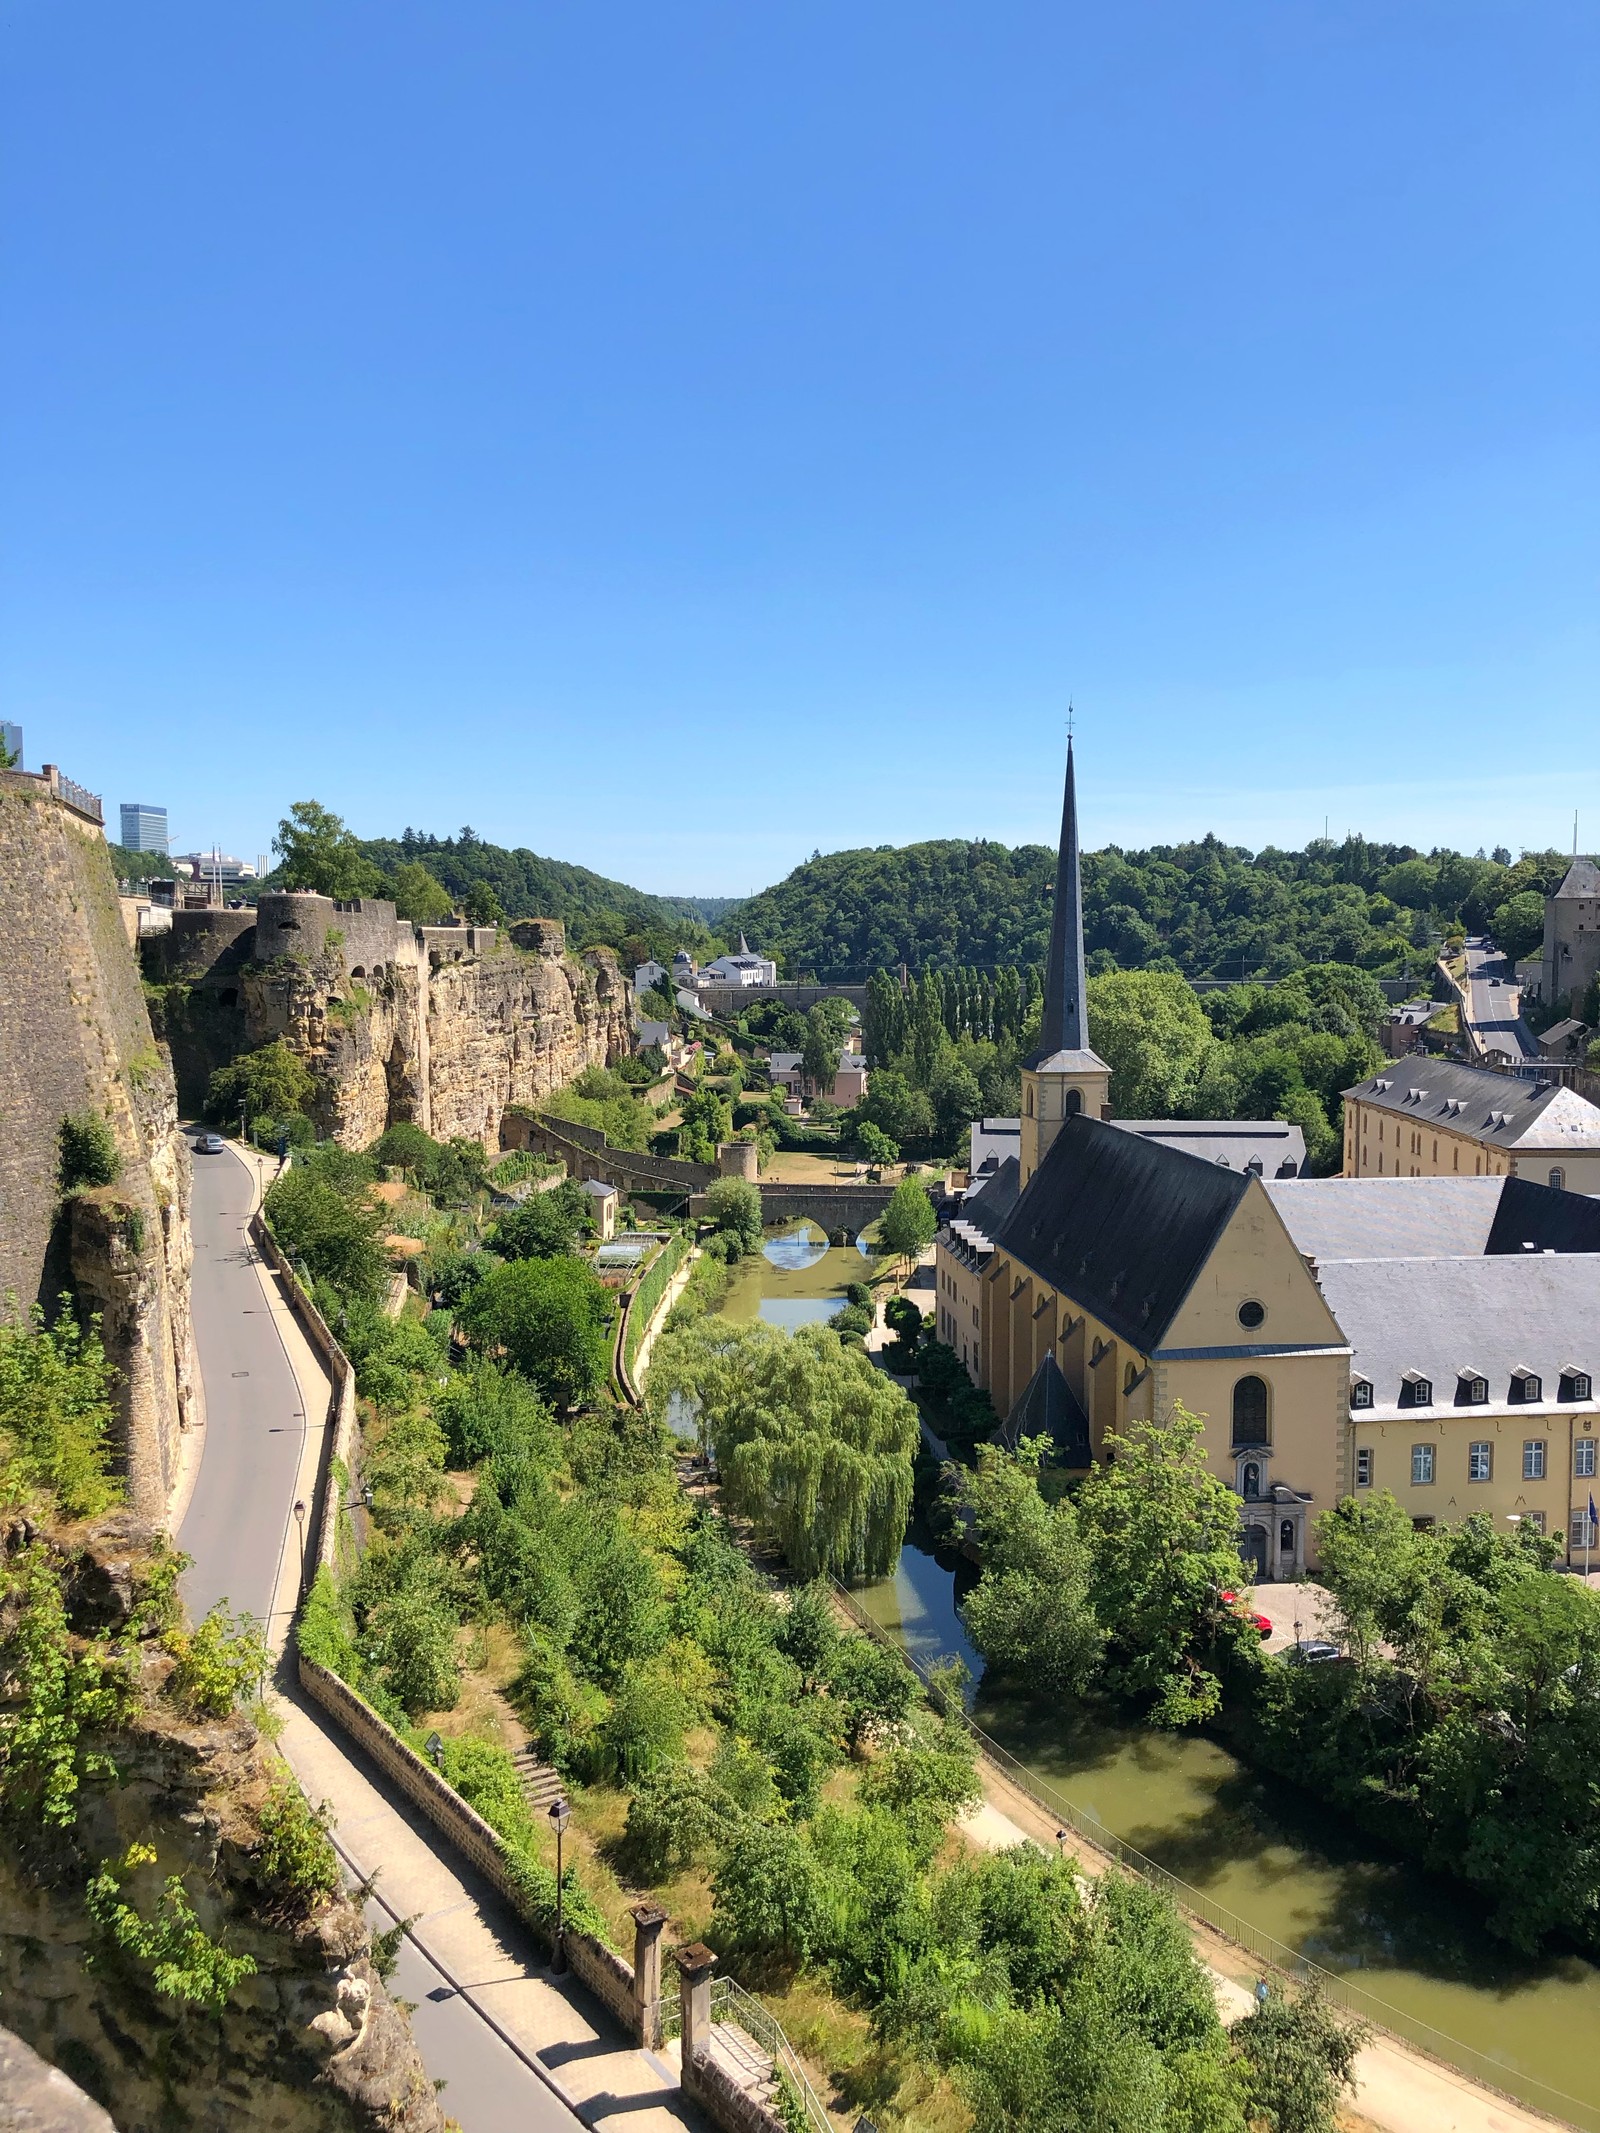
(1211, 909)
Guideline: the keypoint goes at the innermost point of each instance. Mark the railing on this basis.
(731, 2003)
(1355, 1999)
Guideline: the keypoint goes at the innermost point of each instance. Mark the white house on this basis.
(647, 976)
(744, 968)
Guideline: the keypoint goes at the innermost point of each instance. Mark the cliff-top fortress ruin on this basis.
(441, 1026)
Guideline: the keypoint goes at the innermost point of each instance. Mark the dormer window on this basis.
(1526, 1386)
(1472, 1389)
(1416, 1390)
(1576, 1384)
(1361, 1392)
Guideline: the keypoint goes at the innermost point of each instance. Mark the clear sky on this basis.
(676, 437)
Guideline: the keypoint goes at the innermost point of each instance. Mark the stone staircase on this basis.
(540, 1784)
(743, 2059)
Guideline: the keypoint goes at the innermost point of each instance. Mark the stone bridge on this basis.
(844, 1206)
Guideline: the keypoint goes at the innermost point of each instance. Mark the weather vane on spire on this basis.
(1071, 714)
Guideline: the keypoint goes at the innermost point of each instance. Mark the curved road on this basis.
(236, 1528)
(1494, 1002)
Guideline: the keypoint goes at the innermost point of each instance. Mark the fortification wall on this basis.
(511, 1029)
(74, 1037)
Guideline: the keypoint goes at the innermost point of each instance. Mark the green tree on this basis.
(898, 1110)
(956, 1098)
(482, 906)
(908, 1225)
(767, 1891)
(55, 1414)
(813, 1443)
(875, 1145)
(552, 1321)
(420, 896)
(873, 1687)
(826, 1024)
(1162, 1535)
(270, 1082)
(1030, 1613)
(734, 1205)
(336, 1233)
(316, 851)
(1518, 924)
(544, 1226)
(1150, 1029)
(1300, 2059)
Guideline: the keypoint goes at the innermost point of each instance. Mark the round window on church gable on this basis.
(1252, 1314)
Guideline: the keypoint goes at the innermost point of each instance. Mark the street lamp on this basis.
(435, 1748)
(300, 1520)
(560, 1816)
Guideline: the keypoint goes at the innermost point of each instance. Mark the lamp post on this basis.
(560, 1816)
(435, 1748)
(300, 1521)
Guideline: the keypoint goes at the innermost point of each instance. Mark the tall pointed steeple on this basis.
(1062, 1075)
(1065, 1025)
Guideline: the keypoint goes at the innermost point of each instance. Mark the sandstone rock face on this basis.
(446, 1045)
(75, 1036)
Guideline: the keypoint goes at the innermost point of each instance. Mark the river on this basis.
(1250, 1843)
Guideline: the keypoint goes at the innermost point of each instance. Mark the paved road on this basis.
(237, 1520)
(1495, 1010)
(236, 1528)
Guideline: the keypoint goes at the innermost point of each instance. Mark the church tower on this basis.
(1062, 1076)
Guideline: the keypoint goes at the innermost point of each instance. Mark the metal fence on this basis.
(1276, 1955)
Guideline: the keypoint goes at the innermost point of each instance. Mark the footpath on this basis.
(455, 1919)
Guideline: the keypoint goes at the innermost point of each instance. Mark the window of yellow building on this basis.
(1422, 1456)
(1533, 1459)
(1480, 1461)
(1364, 1467)
(1583, 1455)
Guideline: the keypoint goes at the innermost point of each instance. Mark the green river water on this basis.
(1248, 1843)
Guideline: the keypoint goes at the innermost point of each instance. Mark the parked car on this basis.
(1259, 1623)
(209, 1144)
(1312, 1651)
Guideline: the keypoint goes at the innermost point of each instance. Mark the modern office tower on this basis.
(144, 828)
(11, 737)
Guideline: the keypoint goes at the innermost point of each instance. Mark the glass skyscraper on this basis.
(144, 829)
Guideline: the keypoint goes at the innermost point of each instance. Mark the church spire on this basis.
(1065, 1026)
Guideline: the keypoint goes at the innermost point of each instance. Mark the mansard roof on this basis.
(1120, 1224)
(1500, 1110)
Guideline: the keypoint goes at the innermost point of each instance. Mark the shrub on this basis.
(216, 1662)
(297, 1858)
(271, 1082)
(331, 1228)
(734, 1204)
(55, 1414)
(676, 1819)
(767, 1892)
(89, 1153)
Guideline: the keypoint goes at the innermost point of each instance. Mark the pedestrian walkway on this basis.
(479, 1951)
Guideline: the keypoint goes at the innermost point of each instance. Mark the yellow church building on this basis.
(1437, 1337)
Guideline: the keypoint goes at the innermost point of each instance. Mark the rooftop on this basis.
(1446, 1319)
(1432, 1218)
(1582, 879)
(1272, 1148)
(1502, 1110)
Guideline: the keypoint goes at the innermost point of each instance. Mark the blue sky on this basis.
(679, 437)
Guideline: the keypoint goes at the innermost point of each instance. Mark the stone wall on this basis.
(75, 1036)
(588, 1154)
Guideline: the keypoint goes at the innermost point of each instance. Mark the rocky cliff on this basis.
(75, 1037)
(310, 2042)
(441, 1026)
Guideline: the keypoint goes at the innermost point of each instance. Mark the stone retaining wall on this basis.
(338, 1461)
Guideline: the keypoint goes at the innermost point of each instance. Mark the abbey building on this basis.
(1435, 1336)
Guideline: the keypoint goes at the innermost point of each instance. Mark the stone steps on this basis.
(742, 2058)
(540, 1784)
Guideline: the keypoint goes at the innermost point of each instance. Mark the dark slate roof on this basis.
(1120, 1224)
(1582, 879)
(1502, 1110)
(1050, 1408)
(988, 1207)
(1550, 1221)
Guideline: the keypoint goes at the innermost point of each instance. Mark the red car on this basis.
(1259, 1623)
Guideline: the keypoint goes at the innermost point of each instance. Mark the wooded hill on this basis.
(1208, 908)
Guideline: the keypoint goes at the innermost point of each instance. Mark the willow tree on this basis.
(813, 1444)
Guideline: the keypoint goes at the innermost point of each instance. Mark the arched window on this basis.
(1558, 1179)
(1286, 1538)
(1073, 1104)
(1250, 1413)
